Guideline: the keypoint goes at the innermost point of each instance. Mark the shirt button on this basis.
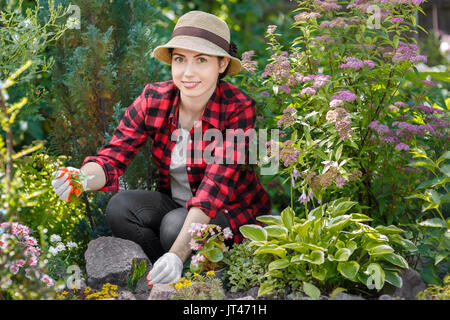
(188, 168)
(226, 211)
(194, 189)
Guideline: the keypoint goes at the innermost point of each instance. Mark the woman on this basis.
(174, 114)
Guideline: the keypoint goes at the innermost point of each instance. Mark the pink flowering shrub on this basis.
(342, 97)
(208, 241)
(22, 270)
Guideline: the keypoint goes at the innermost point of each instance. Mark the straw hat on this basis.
(200, 32)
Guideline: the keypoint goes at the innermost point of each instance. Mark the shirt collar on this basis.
(210, 113)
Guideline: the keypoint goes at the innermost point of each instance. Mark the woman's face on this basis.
(196, 74)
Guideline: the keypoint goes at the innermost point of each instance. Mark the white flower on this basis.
(227, 234)
(60, 247)
(55, 238)
(335, 103)
(71, 244)
(53, 251)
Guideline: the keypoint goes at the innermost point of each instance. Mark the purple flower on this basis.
(295, 174)
(265, 94)
(393, 108)
(352, 63)
(429, 83)
(402, 146)
(408, 52)
(340, 181)
(369, 63)
(305, 198)
(397, 19)
(308, 90)
(400, 104)
(320, 80)
(427, 109)
(285, 88)
(344, 95)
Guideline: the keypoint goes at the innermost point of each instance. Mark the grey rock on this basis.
(412, 285)
(109, 259)
(346, 296)
(246, 298)
(161, 291)
(387, 297)
(126, 295)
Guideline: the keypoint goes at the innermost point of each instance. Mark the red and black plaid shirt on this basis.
(226, 186)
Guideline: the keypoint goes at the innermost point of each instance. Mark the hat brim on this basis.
(198, 45)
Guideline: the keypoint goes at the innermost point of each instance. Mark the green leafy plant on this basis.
(327, 248)
(432, 235)
(435, 292)
(22, 271)
(208, 240)
(243, 269)
(347, 116)
(430, 190)
(137, 272)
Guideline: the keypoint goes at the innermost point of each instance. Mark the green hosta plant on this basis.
(328, 248)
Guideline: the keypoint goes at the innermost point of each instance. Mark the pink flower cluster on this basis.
(30, 250)
(356, 64)
(287, 118)
(339, 22)
(289, 153)
(342, 121)
(408, 52)
(247, 63)
(327, 5)
(416, 2)
(397, 19)
(306, 15)
(427, 109)
(197, 229)
(344, 95)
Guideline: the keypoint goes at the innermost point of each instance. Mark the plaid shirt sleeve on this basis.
(128, 138)
(220, 179)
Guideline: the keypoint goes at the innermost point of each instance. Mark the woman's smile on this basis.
(190, 84)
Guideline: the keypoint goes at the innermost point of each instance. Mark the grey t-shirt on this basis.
(179, 183)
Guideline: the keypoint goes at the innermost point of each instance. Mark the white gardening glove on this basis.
(167, 269)
(67, 181)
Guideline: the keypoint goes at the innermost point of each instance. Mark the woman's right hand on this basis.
(68, 181)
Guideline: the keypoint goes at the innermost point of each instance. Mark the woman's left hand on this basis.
(167, 269)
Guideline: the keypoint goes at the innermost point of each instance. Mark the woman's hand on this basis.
(167, 269)
(67, 181)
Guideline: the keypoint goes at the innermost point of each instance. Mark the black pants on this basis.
(151, 219)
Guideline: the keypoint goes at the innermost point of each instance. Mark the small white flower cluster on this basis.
(59, 245)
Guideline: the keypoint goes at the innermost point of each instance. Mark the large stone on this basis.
(161, 291)
(412, 285)
(109, 259)
(346, 296)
